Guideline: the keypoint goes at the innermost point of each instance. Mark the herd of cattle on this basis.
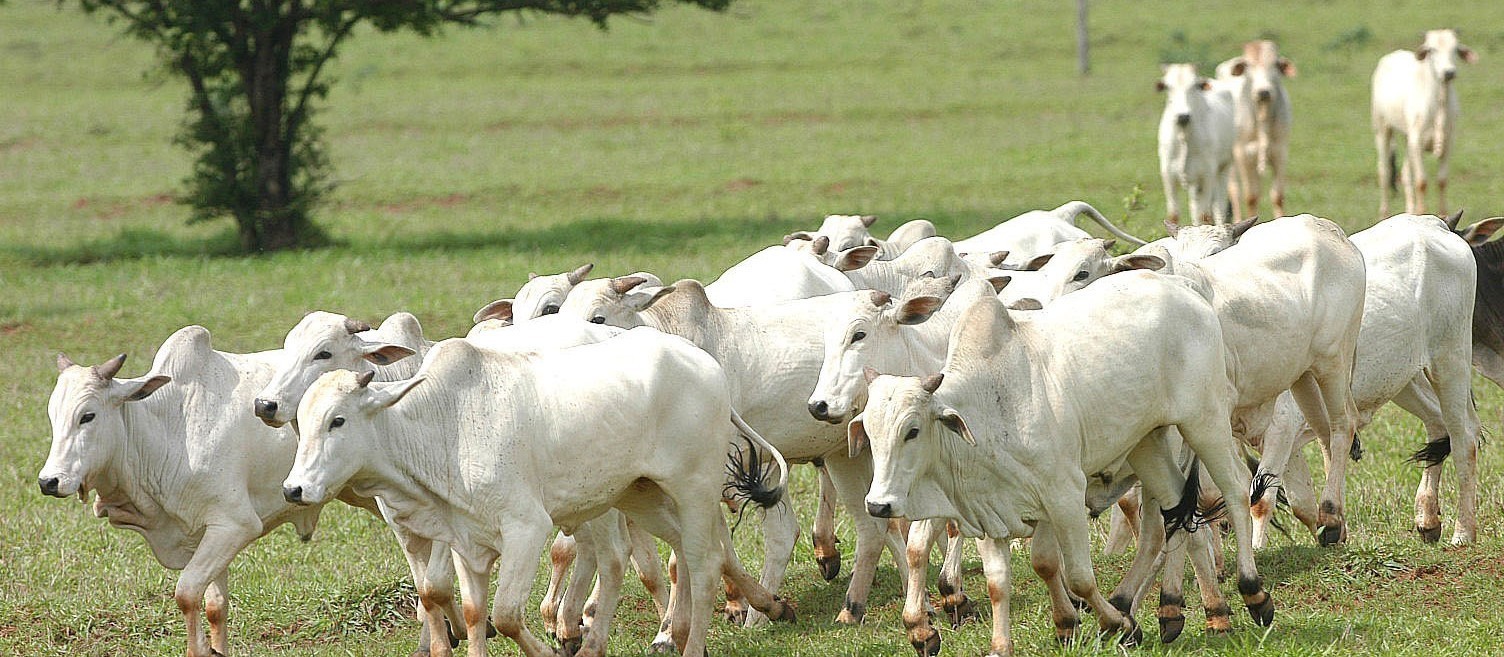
(942, 388)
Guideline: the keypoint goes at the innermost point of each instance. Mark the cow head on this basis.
(1441, 51)
(539, 296)
(324, 342)
(1197, 242)
(1182, 88)
(1074, 265)
(821, 248)
(1263, 68)
(904, 424)
(615, 301)
(337, 428)
(88, 428)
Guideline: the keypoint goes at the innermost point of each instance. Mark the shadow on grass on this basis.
(594, 234)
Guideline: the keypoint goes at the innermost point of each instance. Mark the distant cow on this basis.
(1413, 95)
(1262, 116)
(1196, 133)
(846, 231)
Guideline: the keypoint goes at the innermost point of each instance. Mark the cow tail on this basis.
(1074, 209)
(748, 475)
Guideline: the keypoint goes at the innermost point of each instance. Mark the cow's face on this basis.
(87, 427)
(855, 337)
(322, 342)
(1262, 66)
(614, 301)
(1443, 52)
(1180, 84)
(336, 431)
(848, 231)
(544, 295)
(1076, 264)
(903, 425)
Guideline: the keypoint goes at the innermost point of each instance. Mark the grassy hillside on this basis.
(677, 145)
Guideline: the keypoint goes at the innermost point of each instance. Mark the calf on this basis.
(1261, 112)
(1196, 132)
(472, 450)
(1007, 460)
(1413, 95)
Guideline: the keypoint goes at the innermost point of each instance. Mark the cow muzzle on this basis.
(1264, 95)
(49, 486)
(1182, 120)
(820, 410)
(293, 494)
(1448, 76)
(266, 410)
(880, 509)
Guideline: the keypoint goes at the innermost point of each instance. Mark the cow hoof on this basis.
(929, 646)
(662, 647)
(1329, 535)
(785, 611)
(1263, 612)
(830, 567)
(1170, 628)
(736, 615)
(961, 612)
(1431, 535)
(1132, 634)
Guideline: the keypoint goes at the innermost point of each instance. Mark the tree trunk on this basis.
(1083, 45)
(278, 219)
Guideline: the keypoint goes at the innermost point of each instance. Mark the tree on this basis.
(255, 71)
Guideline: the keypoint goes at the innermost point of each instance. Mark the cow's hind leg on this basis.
(827, 555)
(780, 527)
(953, 600)
(560, 556)
(1210, 436)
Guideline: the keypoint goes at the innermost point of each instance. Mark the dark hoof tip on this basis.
(960, 613)
(1430, 535)
(930, 647)
(1132, 635)
(1330, 535)
(490, 630)
(1170, 628)
(1263, 613)
(785, 614)
(829, 568)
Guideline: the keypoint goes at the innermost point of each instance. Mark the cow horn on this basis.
(881, 298)
(932, 382)
(997, 257)
(364, 378)
(354, 326)
(868, 220)
(624, 284)
(1453, 219)
(63, 361)
(578, 274)
(109, 368)
(870, 374)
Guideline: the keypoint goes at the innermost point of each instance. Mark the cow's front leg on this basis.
(997, 558)
(853, 477)
(517, 564)
(780, 527)
(209, 563)
(916, 607)
(216, 610)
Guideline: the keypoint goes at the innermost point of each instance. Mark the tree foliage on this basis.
(256, 71)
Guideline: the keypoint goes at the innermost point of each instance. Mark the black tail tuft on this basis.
(1356, 451)
(1262, 482)
(1187, 515)
(1394, 174)
(748, 477)
(1433, 453)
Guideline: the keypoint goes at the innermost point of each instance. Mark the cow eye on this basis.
(1080, 276)
(86, 418)
(598, 319)
(337, 422)
(912, 434)
(323, 355)
(551, 309)
(857, 337)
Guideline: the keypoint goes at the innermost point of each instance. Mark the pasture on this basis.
(675, 145)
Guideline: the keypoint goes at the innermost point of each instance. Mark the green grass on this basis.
(674, 145)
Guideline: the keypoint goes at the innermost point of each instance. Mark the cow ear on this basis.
(643, 296)
(820, 245)
(138, 389)
(1038, 262)
(952, 420)
(1239, 67)
(1286, 67)
(1026, 304)
(1172, 227)
(579, 273)
(499, 309)
(385, 394)
(1467, 54)
(1137, 261)
(855, 258)
(999, 282)
(856, 436)
(532, 275)
(868, 220)
(870, 374)
(64, 362)
(384, 353)
(1482, 231)
(918, 309)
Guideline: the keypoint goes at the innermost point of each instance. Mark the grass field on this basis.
(675, 145)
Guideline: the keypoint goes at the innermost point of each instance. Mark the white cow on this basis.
(174, 456)
(539, 296)
(772, 356)
(780, 273)
(1415, 348)
(1262, 115)
(1007, 460)
(1034, 232)
(848, 231)
(1196, 133)
(934, 255)
(475, 457)
(1413, 95)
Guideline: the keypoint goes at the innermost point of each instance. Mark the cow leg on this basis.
(953, 600)
(648, 564)
(1199, 203)
(208, 564)
(916, 605)
(1299, 489)
(1279, 153)
(663, 642)
(1151, 544)
(1044, 557)
(612, 552)
(1204, 563)
(560, 555)
(780, 530)
(418, 552)
(216, 611)
(1414, 171)
(1443, 166)
(758, 598)
(1334, 453)
(1281, 439)
(1172, 201)
(1212, 441)
(997, 563)
(1248, 179)
(853, 477)
(1073, 540)
(1122, 523)
(570, 622)
(1452, 380)
(516, 568)
(827, 555)
(1383, 140)
(1419, 399)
